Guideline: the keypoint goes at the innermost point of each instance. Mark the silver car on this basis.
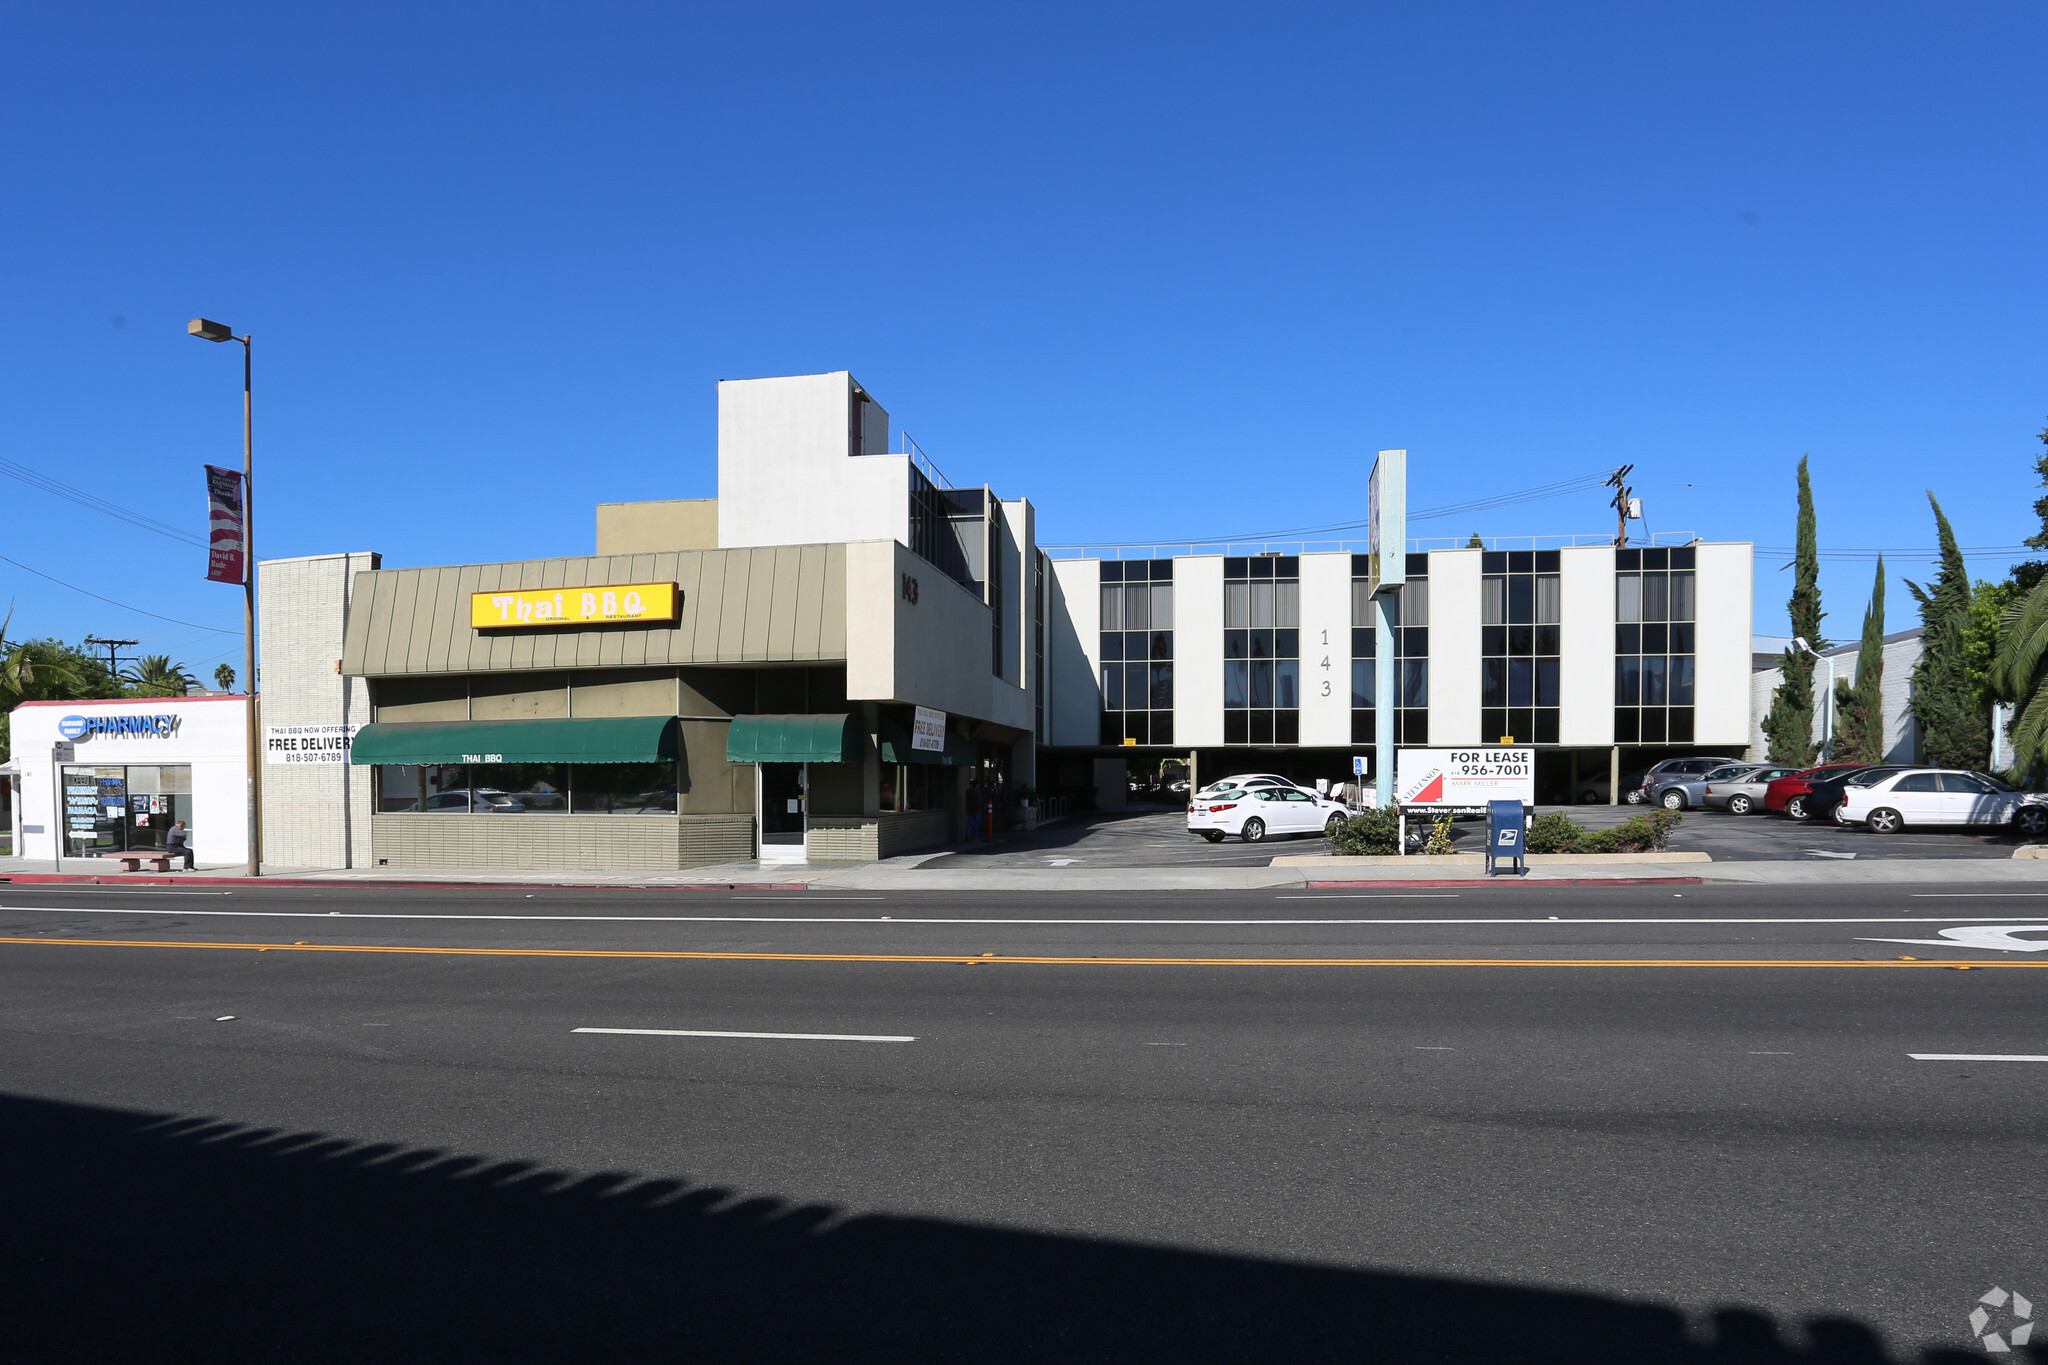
(1685, 791)
(1743, 793)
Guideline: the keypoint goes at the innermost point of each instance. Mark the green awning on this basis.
(620, 739)
(958, 753)
(793, 739)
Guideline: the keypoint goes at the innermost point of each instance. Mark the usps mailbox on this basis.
(1507, 837)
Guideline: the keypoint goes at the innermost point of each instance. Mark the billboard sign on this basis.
(1464, 777)
(1387, 517)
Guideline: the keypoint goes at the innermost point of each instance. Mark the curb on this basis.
(80, 879)
(1519, 882)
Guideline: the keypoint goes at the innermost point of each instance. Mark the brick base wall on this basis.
(540, 842)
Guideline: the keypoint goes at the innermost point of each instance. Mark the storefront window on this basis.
(519, 788)
(114, 809)
(916, 786)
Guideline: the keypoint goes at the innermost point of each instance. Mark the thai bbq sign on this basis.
(605, 604)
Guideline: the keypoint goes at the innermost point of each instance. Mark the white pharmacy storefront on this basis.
(114, 776)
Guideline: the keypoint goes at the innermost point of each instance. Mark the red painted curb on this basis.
(133, 879)
(1521, 881)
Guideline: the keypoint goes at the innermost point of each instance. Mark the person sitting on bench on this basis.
(176, 844)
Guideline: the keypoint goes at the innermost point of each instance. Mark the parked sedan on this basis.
(1924, 797)
(1255, 813)
(1824, 800)
(1743, 794)
(1787, 795)
(1690, 789)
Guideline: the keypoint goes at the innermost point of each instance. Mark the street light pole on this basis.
(1827, 730)
(215, 331)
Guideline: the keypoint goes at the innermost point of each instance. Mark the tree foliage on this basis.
(1789, 723)
(1955, 728)
(49, 670)
(156, 676)
(1859, 705)
(224, 677)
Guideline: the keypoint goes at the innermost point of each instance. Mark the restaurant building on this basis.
(838, 654)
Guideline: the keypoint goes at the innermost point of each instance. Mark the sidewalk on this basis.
(908, 874)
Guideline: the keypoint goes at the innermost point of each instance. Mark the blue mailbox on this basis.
(1507, 837)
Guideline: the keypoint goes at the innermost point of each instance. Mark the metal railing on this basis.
(1175, 549)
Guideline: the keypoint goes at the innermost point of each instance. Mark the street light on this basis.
(1827, 730)
(219, 331)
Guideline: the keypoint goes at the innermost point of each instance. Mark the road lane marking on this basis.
(1976, 1057)
(1995, 937)
(1020, 959)
(903, 919)
(1378, 896)
(794, 1037)
(1972, 895)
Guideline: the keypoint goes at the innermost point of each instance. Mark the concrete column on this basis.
(1614, 776)
(1384, 700)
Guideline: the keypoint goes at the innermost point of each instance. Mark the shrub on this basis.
(1554, 832)
(1374, 832)
(1440, 836)
(1557, 832)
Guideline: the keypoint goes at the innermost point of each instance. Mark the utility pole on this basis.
(113, 659)
(1624, 499)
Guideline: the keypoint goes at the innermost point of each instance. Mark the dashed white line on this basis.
(785, 1037)
(1977, 1057)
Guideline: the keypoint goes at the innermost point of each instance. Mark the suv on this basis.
(1671, 770)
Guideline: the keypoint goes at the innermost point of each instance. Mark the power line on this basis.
(84, 499)
(110, 601)
(1548, 490)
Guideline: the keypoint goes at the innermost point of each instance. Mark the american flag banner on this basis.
(227, 550)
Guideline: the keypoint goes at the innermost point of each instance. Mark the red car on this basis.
(1783, 795)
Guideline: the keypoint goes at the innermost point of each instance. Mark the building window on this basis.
(517, 788)
(1137, 651)
(1653, 645)
(1262, 650)
(1408, 613)
(1518, 616)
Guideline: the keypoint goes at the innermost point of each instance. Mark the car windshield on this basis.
(1864, 776)
(1996, 783)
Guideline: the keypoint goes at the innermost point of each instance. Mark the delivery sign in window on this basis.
(611, 604)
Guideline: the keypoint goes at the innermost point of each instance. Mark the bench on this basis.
(132, 862)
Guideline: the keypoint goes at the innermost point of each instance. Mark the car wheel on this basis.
(1214, 836)
(1796, 808)
(2031, 821)
(1332, 825)
(1841, 814)
(1738, 805)
(1635, 798)
(1253, 831)
(1674, 801)
(1884, 820)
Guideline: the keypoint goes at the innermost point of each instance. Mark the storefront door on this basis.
(783, 806)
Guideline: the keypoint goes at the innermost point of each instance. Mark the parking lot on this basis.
(1158, 837)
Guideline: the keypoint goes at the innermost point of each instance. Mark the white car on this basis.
(1255, 813)
(1924, 798)
(1244, 781)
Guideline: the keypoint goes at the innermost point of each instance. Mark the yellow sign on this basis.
(609, 604)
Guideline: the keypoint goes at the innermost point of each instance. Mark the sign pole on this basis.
(1387, 528)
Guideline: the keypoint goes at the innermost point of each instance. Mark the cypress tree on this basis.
(1954, 733)
(1790, 721)
(1859, 706)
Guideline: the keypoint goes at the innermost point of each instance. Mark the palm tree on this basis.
(25, 670)
(224, 677)
(156, 676)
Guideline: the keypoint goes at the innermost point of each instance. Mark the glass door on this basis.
(782, 812)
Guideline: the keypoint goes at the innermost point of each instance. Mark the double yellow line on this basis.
(990, 959)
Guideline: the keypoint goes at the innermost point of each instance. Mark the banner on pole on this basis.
(227, 541)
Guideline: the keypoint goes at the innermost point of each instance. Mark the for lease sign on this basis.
(1464, 777)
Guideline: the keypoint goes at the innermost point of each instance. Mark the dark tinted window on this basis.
(1915, 782)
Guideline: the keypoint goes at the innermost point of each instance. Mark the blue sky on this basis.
(1166, 270)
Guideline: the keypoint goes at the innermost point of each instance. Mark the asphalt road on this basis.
(1670, 1123)
(1156, 838)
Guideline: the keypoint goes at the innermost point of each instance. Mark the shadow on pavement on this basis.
(136, 1237)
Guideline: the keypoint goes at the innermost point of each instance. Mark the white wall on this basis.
(1585, 713)
(931, 652)
(1721, 644)
(209, 737)
(1197, 651)
(784, 474)
(1895, 690)
(314, 815)
(1454, 648)
(1075, 648)
(1325, 650)
(1017, 551)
